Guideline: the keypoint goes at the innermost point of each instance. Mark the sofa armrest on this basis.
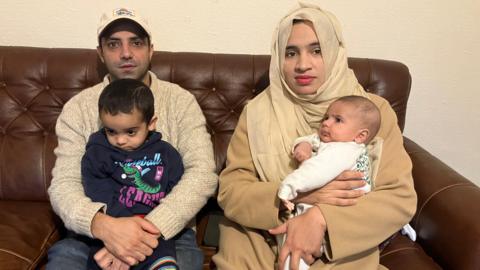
(447, 220)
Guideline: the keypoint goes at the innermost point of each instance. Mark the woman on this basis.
(308, 71)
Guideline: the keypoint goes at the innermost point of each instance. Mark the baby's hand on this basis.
(302, 151)
(288, 204)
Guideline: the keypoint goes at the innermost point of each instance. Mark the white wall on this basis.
(438, 39)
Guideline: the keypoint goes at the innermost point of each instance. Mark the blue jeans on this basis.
(68, 253)
(72, 253)
(189, 256)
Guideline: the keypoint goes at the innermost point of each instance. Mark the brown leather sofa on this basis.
(36, 82)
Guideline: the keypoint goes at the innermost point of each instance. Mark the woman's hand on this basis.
(107, 261)
(305, 234)
(340, 191)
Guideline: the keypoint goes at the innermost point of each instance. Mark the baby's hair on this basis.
(368, 113)
(125, 95)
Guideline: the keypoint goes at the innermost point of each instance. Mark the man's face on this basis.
(126, 56)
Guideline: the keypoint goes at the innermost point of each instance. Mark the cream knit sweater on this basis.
(182, 124)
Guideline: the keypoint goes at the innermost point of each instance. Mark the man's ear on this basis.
(362, 136)
(153, 123)
(100, 53)
(151, 51)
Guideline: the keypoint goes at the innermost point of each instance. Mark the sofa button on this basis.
(214, 89)
(45, 134)
(3, 84)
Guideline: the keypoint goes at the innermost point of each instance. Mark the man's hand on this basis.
(107, 261)
(130, 239)
(340, 191)
(302, 151)
(304, 239)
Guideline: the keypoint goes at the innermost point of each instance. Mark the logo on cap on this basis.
(123, 12)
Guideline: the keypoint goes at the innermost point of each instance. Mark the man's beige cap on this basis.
(122, 13)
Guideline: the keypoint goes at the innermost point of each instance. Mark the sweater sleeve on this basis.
(199, 181)
(66, 190)
(244, 198)
(311, 139)
(381, 212)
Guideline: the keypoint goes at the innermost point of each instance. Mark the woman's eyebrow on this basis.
(294, 47)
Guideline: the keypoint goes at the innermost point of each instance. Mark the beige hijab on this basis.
(278, 115)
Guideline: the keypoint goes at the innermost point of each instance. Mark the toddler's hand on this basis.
(302, 151)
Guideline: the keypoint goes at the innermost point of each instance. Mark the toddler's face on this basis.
(126, 131)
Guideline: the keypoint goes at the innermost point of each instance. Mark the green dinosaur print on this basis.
(134, 173)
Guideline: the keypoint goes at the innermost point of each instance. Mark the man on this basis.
(126, 50)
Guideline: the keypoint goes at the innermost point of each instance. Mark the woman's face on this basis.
(303, 68)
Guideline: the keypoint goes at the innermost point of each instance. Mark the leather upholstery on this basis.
(36, 82)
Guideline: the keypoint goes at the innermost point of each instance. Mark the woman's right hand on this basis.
(304, 237)
(341, 191)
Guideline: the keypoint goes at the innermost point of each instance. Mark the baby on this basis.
(349, 124)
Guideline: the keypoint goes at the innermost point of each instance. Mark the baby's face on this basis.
(340, 124)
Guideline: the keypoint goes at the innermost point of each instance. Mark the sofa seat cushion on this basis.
(402, 253)
(28, 230)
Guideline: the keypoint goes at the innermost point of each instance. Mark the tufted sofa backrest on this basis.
(35, 83)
